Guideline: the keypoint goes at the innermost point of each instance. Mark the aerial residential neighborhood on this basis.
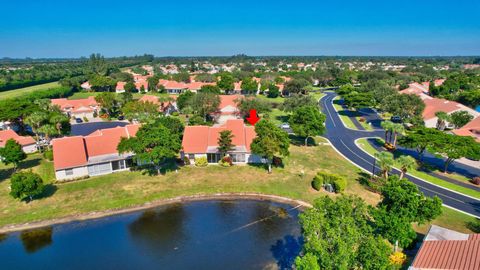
(250, 135)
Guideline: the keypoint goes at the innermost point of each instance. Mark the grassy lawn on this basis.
(127, 189)
(317, 95)
(363, 143)
(347, 121)
(277, 116)
(26, 90)
(278, 99)
(82, 95)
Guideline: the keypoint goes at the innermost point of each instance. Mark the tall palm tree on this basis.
(49, 131)
(387, 126)
(443, 117)
(385, 162)
(406, 163)
(396, 129)
(57, 120)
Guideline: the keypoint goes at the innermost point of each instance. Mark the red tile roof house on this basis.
(446, 249)
(471, 129)
(28, 143)
(202, 141)
(95, 154)
(174, 87)
(227, 108)
(120, 88)
(167, 107)
(77, 108)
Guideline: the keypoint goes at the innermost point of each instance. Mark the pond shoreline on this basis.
(180, 199)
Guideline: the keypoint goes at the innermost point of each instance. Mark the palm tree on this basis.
(35, 120)
(57, 120)
(48, 131)
(443, 117)
(385, 162)
(396, 129)
(387, 126)
(406, 163)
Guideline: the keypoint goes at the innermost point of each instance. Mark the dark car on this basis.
(78, 120)
(396, 119)
(121, 117)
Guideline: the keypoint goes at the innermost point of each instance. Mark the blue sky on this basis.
(50, 28)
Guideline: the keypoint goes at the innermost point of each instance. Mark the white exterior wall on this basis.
(249, 158)
(31, 148)
(77, 173)
(431, 123)
(88, 115)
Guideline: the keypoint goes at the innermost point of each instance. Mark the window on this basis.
(191, 156)
(118, 165)
(69, 172)
(101, 168)
(238, 157)
(213, 158)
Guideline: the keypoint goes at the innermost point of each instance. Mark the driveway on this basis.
(343, 140)
(85, 129)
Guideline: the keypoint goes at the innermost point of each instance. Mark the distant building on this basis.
(174, 87)
(202, 141)
(86, 86)
(120, 88)
(95, 154)
(28, 143)
(77, 108)
(446, 249)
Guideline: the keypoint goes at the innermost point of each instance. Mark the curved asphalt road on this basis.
(343, 139)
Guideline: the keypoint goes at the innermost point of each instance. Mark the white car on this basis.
(285, 126)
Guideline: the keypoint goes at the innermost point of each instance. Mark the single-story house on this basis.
(471, 129)
(77, 108)
(202, 141)
(29, 145)
(434, 105)
(95, 154)
(86, 86)
(227, 109)
(447, 249)
(167, 107)
(174, 87)
(120, 88)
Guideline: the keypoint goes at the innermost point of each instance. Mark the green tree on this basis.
(397, 129)
(102, 83)
(249, 85)
(130, 87)
(35, 120)
(460, 118)
(385, 162)
(181, 77)
(295, 86)
(407, 107)
(338, 235)
(296, 101)
(12, 153)
(442, 119)
(225, 142)
(244, 105)
(205, 104)
(185, 99)
(153, 143)
(270, 141)
(26, 185)
(388, 127)
(307, 122)
(273, 91)
(141, 111)
(406, 163)
(213, 89)
(226, 81)
(107, 101)
(402, 204)
(49, 131)
(453, 147)
(419, 139)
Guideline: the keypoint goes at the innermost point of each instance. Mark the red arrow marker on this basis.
(253, 118)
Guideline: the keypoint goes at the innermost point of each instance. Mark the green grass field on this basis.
(22, 91)
(363, 143)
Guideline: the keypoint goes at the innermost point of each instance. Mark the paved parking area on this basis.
(84, 129)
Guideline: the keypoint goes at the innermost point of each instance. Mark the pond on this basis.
(478, 108)
(218, 234)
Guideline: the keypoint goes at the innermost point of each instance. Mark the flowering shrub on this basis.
(476, 180)
(398, 258)
(226, 161)
(201, 162)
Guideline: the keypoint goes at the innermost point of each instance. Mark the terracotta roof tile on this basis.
(6, 135)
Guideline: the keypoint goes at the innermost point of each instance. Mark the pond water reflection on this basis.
(242, 234)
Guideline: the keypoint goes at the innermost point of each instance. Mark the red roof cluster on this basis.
(71, 152)
(192, 86)
(197, 139)
(471, 129)
(76, 105)
(6, 135)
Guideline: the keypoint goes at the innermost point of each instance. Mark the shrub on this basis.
(277, 162)
(186, 160)
(48, 155)
(317, 182)
(25, 185)
(201, 162)
(338, 182)
(362, 119)
(175, 114)
(398, 258)
(95, 114)
(476, 180)
(85, 119)
(226, 161)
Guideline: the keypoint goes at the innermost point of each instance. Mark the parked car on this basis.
(78, 120)
(121, 117)
(285, 126)
(396, 119)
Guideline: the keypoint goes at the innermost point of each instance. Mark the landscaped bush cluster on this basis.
(48, 155)
(322, 178)
(476, 180)
(226, 161)
(201, 162)
(186, 161)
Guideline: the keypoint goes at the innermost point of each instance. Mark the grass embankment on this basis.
(126, 189)
(347, 121)
(365, 145)
(27, 90)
